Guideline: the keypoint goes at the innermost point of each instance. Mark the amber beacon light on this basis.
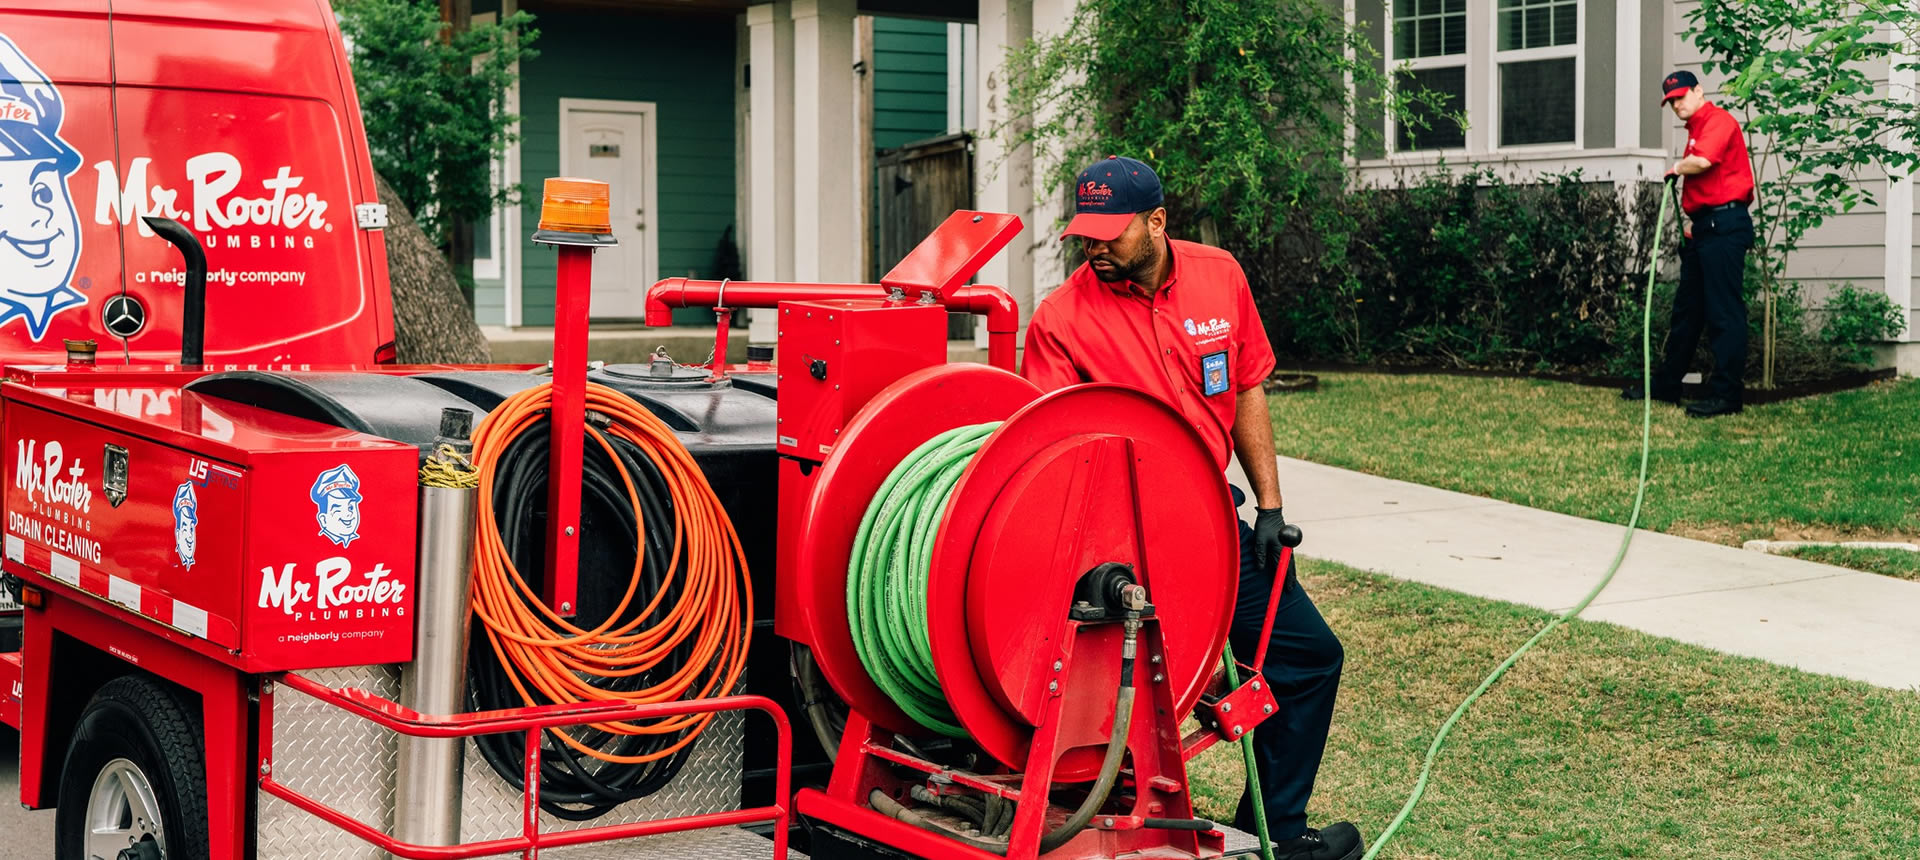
(574, 212)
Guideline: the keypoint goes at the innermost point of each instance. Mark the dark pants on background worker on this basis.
(1303, 669)
(1712, 265)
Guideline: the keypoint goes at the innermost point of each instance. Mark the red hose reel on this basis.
(1075, 479)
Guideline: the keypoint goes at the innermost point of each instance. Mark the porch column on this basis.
(769, 224)
(1050, 208)
(828, 226)
(1003, 178)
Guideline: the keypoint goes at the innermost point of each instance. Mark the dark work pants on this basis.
(1303, 669)
(1712, 264)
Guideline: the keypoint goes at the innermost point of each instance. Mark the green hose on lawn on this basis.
(1626, 540)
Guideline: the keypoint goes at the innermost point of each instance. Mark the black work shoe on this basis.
(1711, 407)
(1635, 392)
(1339, 842)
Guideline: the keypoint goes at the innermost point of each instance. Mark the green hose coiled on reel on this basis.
(887, 574)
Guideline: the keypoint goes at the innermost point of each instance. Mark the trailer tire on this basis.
(137, 745)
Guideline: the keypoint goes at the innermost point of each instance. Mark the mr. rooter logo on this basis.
(212, 202)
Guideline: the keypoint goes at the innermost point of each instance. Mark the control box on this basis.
(835, 355)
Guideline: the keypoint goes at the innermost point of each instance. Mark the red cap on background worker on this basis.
(1108, 195)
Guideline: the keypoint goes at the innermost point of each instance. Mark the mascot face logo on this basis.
(186, 519)
(336, 497)
(39, 230)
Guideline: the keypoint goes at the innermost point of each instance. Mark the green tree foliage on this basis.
(1802, 75)
(1242, 108)
(433, 103)
(1801, 72)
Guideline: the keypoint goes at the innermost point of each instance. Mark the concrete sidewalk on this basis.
(1815, 617)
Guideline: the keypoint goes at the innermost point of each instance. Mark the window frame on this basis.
(1462, 60)
(1498, 58)
(1483, 103)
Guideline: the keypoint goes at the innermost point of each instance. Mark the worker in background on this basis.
(1176, 319)
(1716, 188)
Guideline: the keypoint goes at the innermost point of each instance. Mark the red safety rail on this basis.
(533, 721)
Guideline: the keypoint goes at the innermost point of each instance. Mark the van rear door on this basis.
(237, 118)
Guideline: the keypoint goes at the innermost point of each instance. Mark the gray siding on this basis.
(1653, 65)
(1602, 56)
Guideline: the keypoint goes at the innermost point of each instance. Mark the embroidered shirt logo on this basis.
(1209, 328)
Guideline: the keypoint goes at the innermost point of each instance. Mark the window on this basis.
(1538, 23)
(1430, 37)
(1537, 50)
(1510, 70)
(1429, 28)
(1536, 102)
(1442, 130)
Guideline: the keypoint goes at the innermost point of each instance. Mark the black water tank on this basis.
(727, 425)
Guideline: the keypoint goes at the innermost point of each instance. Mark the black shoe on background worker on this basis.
(1660, 393)
(1712, 407)
(1339, 842)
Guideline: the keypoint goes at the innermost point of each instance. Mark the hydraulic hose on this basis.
(1116, 750)
(1626, 540)
(678, 631)
(887, 574)
(887, 609)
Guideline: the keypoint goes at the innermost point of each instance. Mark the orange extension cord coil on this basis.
(547, 658)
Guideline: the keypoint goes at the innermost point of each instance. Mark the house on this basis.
(1549, 86)
(759, 122)
(717, 120)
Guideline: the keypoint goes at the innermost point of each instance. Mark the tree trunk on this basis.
(432, 324)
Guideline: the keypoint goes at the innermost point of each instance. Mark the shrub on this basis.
(1467, 270)
(1462, 270)
(1855, 320)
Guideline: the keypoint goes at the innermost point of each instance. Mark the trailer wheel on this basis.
(134, 786)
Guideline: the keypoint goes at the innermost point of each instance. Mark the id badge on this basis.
(1213, 373)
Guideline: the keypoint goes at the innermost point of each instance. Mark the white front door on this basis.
(612, 141)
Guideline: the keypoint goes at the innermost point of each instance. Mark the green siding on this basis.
(685, 67)
(489, 300)
(909, 80)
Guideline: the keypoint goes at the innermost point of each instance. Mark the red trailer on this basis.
(249, 551)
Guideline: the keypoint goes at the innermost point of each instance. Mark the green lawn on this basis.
(1892, 562)
(1836, 466)
(1604, 742)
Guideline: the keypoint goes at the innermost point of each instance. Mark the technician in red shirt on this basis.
(1176, 319)
(1715, 193)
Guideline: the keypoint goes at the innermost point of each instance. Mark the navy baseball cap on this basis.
(1676, 85)
(1108, 195)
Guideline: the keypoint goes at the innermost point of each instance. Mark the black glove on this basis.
(1267, 524)
(1672, 177)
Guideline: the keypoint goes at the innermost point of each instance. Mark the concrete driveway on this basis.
(28, 835)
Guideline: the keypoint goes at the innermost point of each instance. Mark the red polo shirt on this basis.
(1195, 344)
(1713, 134)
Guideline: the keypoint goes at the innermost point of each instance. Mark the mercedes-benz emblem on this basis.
(124, 315)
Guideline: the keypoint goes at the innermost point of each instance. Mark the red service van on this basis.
(236, 118)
